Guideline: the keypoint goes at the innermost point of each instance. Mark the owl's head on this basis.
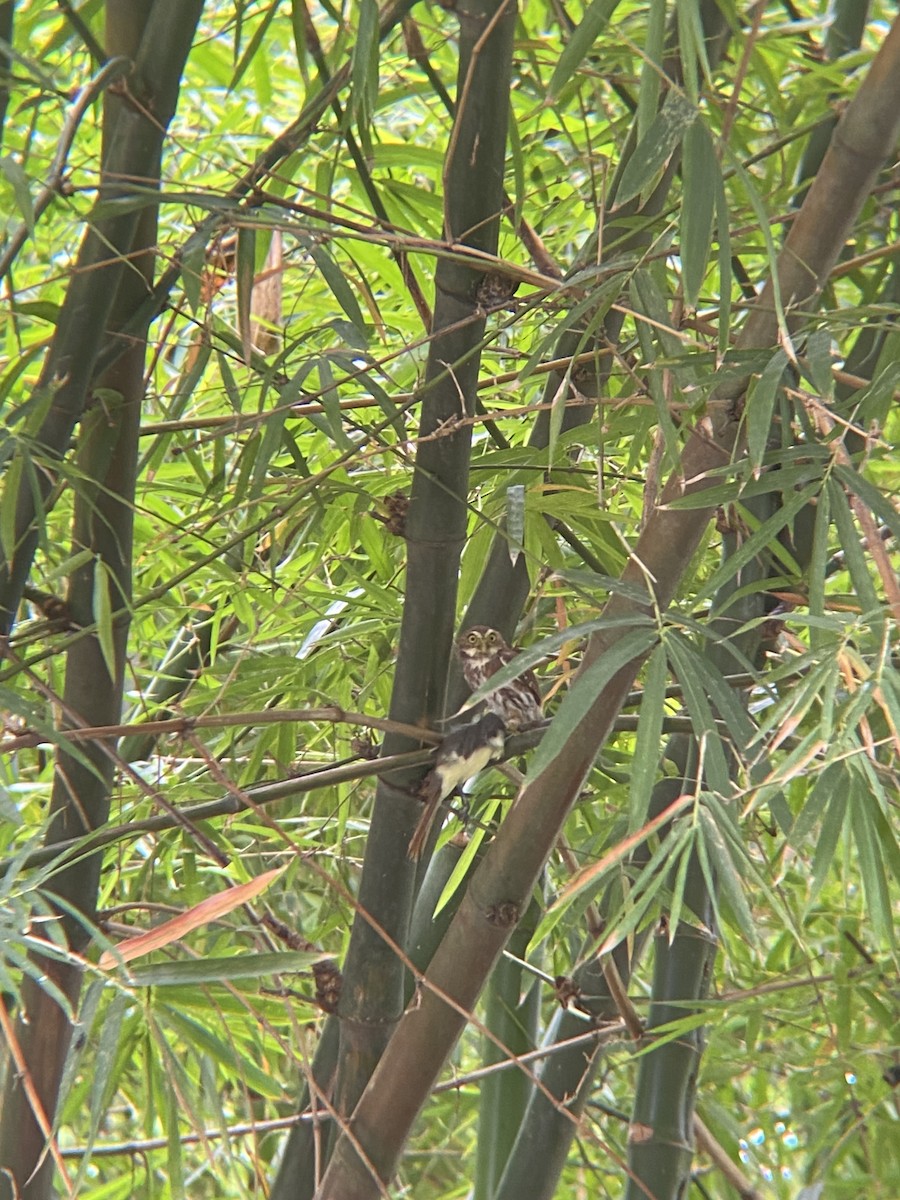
(480, 642)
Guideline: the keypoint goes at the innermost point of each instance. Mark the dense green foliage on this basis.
(278, 429)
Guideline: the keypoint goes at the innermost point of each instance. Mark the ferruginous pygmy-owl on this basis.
(483, 652)
(461, 755)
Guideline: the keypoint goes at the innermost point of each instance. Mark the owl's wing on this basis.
(528, 679)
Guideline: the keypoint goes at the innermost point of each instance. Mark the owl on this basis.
(483, 652)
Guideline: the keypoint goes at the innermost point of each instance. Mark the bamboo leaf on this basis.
(733, 889)
(647, 299)
(193, 262)
(252, 54)
(676, 902)
(364, 70)
(692, 674)
(201, 914)
(462, 868)
(875, 401)
(649, 885)
(851, 544)
(103, 615)
(762, 541)
(726, 272)
(646, 767)
(864, 820)
(198, 1035)
(223, 970)
(653, 151)
(584, 308)
(11, 487)
(515, 521)
(873, 499)
(588, 684)
(174, 1165)
(18, 181)
(590, 876)
(818, 357)
(557, 412)
(104, 1073)
(761, 398)
(651, 68)
(700, 171)
(580, 43)
(339, 287)
(832, 827)
(245, 271)
(332, 406)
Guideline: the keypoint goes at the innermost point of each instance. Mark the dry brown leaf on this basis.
(201, 914)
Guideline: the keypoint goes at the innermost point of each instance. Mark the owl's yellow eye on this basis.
(492, 637)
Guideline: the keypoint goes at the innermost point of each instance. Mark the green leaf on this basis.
(365, 67)
(18, 181)
(174, 1163)
(726, 272)
(12, 485)
(579, 45)
(851, 544)
(69, 565)
(515, 521)
(648, 300)
(692, 673)
(761, 397)
(818, 566)
(463, 867)
(692, 41)
(103, 615)
(702, 178)
(651, 882)
(652, 72)
(874, 402)
(761, 542)
(645, 763)
(104, 1076)
(819, 359)
(876, 502)
(252, 51)
(679, 882)
(221, 970)
(653, 151)
(826, 846)
(331, 403)
(732, 886)
(227, 1054)
(762, 218)
(588, 684)
(245, 271)
(341, 290)
(864, 819)
(269, 446)
(557, 412)
(193, 262)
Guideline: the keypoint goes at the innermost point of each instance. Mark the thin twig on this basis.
(23, 1075)
(732, 1172)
